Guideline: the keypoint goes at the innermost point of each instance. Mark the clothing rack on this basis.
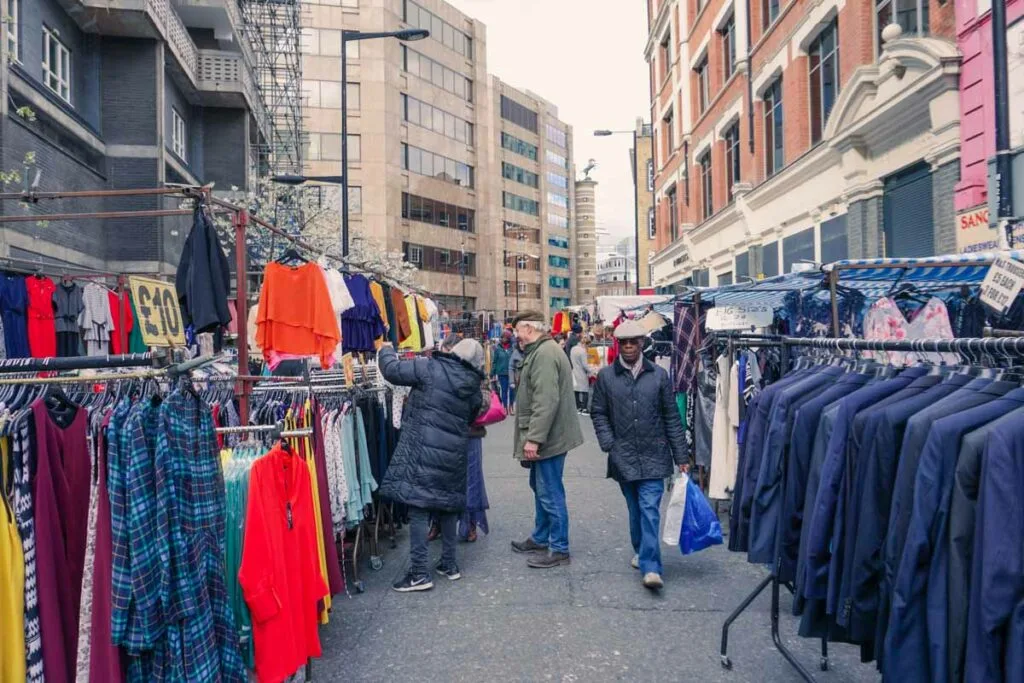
(259, 429)
(127, 360)
(968, 346)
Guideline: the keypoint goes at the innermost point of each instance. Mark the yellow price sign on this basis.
(159, 315)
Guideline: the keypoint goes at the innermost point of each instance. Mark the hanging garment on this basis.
(414, 342)
(116, 307)
(203, 279)
(61, 499)
(25, 464)
(377, 291)
(295, 316)
(361, 324)
(931, 322)
(280, 572)
(335, 576)
(12, 583)
(402, 322)
(14, 308)
(429, 323)
(42, 337)
(684, 347)
(135, 342)
(67, 299)
(95, 320)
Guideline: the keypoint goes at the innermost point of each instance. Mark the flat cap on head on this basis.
(630, 329)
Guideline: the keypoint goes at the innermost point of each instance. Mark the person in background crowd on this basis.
(500, 356)
(580, 375)
(638, 425)
(574, 338)
(428, 471)
(547, 428)
(515, 361)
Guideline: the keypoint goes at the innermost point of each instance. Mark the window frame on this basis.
(703, 85)
(774, 124)
(817, 67)
(728, 34)
(732, 159)
(707, 182)
(13, 29)
(892, 8)
(770, 11)
(668, 120)
(179, 135)
(63, 53)
(415, 255)
(652, 223)
(671, 195)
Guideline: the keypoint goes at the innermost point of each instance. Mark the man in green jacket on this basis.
(547, 427)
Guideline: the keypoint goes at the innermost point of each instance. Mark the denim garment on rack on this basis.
(767, 504)
(917, 623)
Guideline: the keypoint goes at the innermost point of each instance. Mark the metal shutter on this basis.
(770, 267)
(797, 247)
(907, 212)
(833, 240)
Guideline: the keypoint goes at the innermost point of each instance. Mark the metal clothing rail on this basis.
(259, 429)
(127, 360)
(999, 345)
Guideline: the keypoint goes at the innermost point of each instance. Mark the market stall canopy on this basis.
(609, 307)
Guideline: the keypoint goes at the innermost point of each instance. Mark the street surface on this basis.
(591, 621)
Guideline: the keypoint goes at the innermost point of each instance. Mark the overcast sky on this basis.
(589, 63)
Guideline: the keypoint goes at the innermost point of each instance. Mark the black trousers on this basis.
(582, 400)
(67, 344)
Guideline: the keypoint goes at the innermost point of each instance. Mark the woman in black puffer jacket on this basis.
(428, 469)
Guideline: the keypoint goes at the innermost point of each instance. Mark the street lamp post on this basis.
(405, 35)
(462, 271)
(636, 200)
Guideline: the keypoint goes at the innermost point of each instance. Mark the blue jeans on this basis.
(643, 498)
(503, 390)
(552, 516)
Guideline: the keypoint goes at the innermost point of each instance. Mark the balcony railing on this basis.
(229, 71)
(170, 25)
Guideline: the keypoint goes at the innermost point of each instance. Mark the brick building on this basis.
(814, 131)
(123, 94)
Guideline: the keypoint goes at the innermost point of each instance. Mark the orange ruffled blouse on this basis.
(295, 314)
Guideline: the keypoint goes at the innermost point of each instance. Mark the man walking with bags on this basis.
(547, 427)
(638, 425)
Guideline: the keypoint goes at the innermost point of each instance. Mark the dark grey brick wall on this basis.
(128, 91)
(864, 228)
(226, 152)
(135, 238)
(944, 180)
(176, 101)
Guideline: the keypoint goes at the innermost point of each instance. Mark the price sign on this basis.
(740, 317)
(159, 316)
(1002, 284)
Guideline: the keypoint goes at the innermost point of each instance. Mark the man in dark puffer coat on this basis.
(428, 468)
(638, 426)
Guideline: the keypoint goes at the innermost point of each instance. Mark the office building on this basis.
(641, 157)
(616, 275)
(534, 161)
(800, 130)
(585, 245)
(105, 94)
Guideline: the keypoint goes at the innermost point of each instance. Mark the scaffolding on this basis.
(274, 29)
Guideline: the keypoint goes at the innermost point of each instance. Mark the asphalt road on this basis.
(591, 621)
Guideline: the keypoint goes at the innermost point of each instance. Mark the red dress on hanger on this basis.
(42, 331)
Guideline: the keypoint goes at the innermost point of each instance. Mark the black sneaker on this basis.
(412, 583)
(451, 571)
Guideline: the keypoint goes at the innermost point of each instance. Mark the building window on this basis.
(670, 140)
(558, 221)
(415, 255)
(520, 147)
(517, 203)
(824, 72)
(520, 175)
(440, 30)
(556, 159)
(770, 260)
(732, 159)
(650, 175)
(424, 162)
(742, 269)
(434, 212)
(56, 65)
(441, 76)
(673, 214)
(555, 135)
(559, 200)
(652, 228)
(557, 180)
(178, 135)
(833, 239)
(518, 114)
(798, 248)
(665, 53)
(769, 13)
(773, 137)
(706, 179)
(703, 86)
(13, 29)
(911, 15)
(729, 47)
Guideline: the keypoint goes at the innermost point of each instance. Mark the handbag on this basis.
(494, 414)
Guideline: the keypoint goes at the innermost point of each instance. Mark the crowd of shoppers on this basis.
(437, 468)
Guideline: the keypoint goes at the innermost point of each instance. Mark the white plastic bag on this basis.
(673, 527)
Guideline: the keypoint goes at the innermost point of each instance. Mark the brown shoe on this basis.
(548, 561)
(471, 536)
(528, 546)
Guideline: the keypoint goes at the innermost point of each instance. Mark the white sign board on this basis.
(740, 317)
(1002, 284)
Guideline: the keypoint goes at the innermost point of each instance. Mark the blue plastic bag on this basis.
(701, 528)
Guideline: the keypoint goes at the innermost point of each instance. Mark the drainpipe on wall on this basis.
(1004, 166)
(750, 84)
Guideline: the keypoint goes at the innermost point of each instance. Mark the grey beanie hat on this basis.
(470, 351)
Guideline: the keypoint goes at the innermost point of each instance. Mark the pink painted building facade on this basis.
(977, 101)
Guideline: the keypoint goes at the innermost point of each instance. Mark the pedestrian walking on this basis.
(580, 375)
(547, 428)
(638, 426)
(515, 361)
(501, 354)
(428, 471)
